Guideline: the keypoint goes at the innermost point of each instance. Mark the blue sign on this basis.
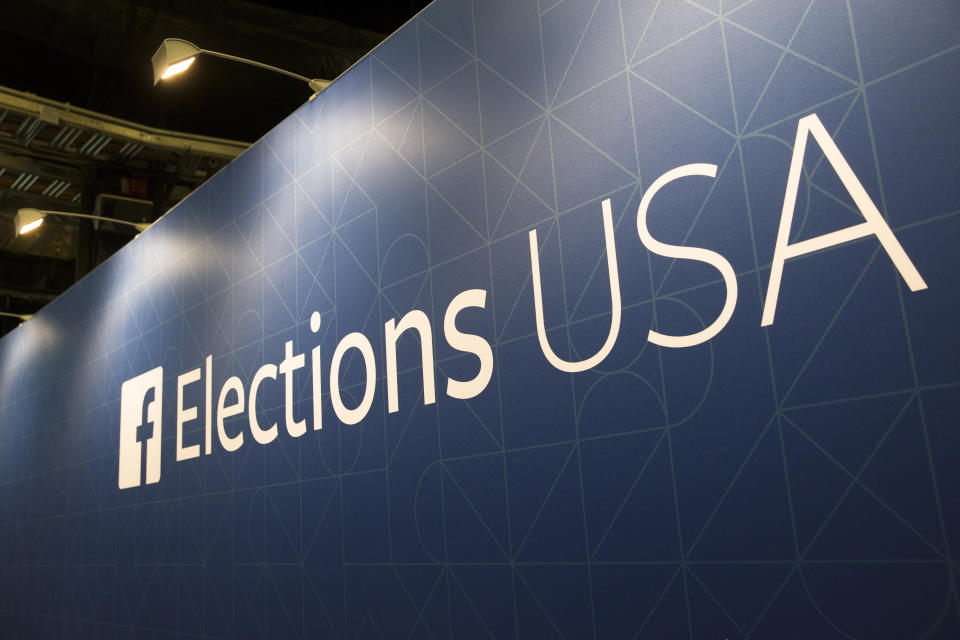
(573, 319)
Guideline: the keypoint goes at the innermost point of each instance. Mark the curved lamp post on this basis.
(28, 219)
(176, 55)
(21, 316)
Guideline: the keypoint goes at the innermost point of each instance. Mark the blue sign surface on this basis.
(549, 319)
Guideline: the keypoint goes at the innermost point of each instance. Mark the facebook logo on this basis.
(141, 401)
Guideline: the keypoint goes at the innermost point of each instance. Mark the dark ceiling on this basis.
(96, 54)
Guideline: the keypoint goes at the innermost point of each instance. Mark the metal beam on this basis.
(64, 114)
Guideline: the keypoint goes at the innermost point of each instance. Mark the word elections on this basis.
(234, 398)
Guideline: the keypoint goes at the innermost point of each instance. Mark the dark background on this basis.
(96, 54)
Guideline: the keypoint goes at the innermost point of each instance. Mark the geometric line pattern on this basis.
(796, 480)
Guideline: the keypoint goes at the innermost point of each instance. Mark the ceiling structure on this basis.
(83, 129)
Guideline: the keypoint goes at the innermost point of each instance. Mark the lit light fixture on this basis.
(28, 219)
(176, 55)
(178, 67)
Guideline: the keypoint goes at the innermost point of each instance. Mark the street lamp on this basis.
(28, 219)
(23, 317)
(176, 55)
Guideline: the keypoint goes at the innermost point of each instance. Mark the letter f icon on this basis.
(135, 413)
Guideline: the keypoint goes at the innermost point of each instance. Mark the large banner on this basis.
(549, 319)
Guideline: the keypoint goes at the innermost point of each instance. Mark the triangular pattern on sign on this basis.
(457, 98)
(320, 519)
(742, 589)
(503, 109)
(506, 46)
(523, 210)
(751, 61)
(694, 71)
(312, 147)
(899, 473)
(557, 531)
(466, 616)
(312, 209)
(758, 495)
(454, 19)
(513, 150)
(368, 629)
(612, 469)
(279, 297)
(396, 127)
(825, 36)
(792, 606)
(658, 118)
(401, 297)
(468, 537)
(440, 57)
(530, 476)
(359, 239)
(248, 358)
(599, 55)
(390, 92)
(349, 201)
(796, 87)
(863, 529)
(419, 582)
(352, 156)
(532, 620)
(400, 54)
(446, 222)
(461, 186)
(591, 176)
(672, 21)
(481, 482)
(444, 144)
(644, 528)
(564, 32)
(411, 146)
(274, 173)
(538, 171)
(707, 616)
(857, 337)
(563, 593)
(471, 426)
(625, 595)
(635, 20)
(670, 614)
(280, 205)
(771, 19)
(314, 273)
(603, 117)
(248, 243)
(816, 483)
(283, 614)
